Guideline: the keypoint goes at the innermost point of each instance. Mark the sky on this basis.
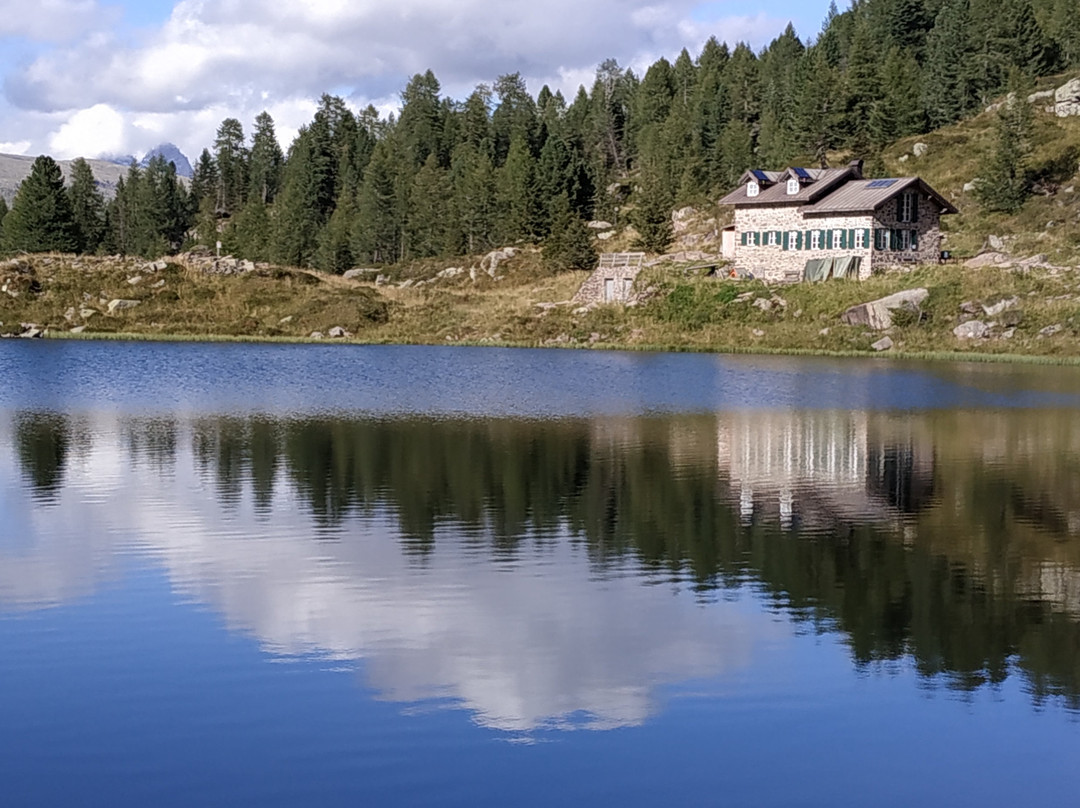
(102, 78)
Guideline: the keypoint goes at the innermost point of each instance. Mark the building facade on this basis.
(815, 223)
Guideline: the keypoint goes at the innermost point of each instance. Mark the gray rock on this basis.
(1067, 99)
(382, 280)
(877, 314)
(78, 329)
(135, 281)
(757, 332)
(405, 284)
(763, 304)
(1070, 190)
(69, 315)
(919, 149)
(1042, 95)
(824, 332)
(971, 186)
(903, 158)
(970, 307)
(33, 332)
(987, 259)
(996, 243)
(285, 320)
(1008, 333)
(86, 312)
(451, 272)
(606, 235)
(337, 332)
(598, 225)
(159, 285)
(158, 266)
(1050, 330)
(119, 305)
(1001, 306)
(883, 344)
(316, 335)
(973, 329)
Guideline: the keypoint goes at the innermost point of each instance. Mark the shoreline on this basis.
(915, 356)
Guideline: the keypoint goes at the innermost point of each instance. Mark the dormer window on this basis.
(752, 188)
(792, 187)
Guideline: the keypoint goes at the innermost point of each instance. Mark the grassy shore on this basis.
(527, 306)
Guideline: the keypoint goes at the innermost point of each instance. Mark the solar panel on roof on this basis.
(802, 173)
(881, 184)
(761, 175)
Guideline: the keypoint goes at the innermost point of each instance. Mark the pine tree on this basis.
(519, 214)
(473, 202)
(87, 206)
(570, 245)
(266, 163)
(231, 159)
(734, 155)
(426, 227)
(652, 216)
(3, 213)
(376, 234)
(250, 232)
(204, 179)
(949, 90)
(1004, 177)
(335, 241)
(40, 218)
(897, 112)
(820, 110)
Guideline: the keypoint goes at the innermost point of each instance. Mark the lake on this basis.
(341, 575)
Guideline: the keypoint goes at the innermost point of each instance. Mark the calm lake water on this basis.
(330, 575)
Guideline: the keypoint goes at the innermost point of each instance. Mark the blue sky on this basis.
(92, 77)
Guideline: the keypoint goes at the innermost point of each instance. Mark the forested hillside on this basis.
(447, 176)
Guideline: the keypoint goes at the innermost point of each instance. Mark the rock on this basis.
(1050, 330)
(973, 329)
(451, 272)
(883, 344)
(405, 284)
(763, 304)
(316, 335)
(606, 235)
(159, 285)
(757, 332)
(33, 332)
(337, 332)
(970, 307)
(745, 296)
(598, 225)
(971, 186)
(987, 259)
(877, 313)
(158, 266)
(1008, 333)
(285, 320)
(135, 281)
(1039, 260)
(1011, 318)
(247, 266)
(490, 262)
(382, 280)
(119, 305)
(1040, 96)
(903, 158)
(823, 332)
(69, 315)
(86, 312)
(919, 149)
(77, 329)
(594, 336)
(358, 274)
(1067, 99)
(996, 243)
(1000, 307)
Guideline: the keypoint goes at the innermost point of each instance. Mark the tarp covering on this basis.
(821, 269)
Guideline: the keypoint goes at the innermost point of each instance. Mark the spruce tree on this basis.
(231, 159)
(570, 245)
(40, 218)
(267, 161)
(519, 213)
(250, 232)
(426, 226)
(652, 215)
(87, 206)
(3, 213)
(1004, 178)
(473, 203)
(949, 90)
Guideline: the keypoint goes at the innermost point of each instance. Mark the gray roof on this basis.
(822, 179)
(829, 191)
(864, 196)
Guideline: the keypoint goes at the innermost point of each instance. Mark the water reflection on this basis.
(500, 563)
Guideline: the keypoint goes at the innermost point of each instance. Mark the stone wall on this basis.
(596, 289)
(774, 263)
(928, 228)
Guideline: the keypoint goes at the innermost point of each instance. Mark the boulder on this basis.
(987, 259)
(382, 280)
(490, 262)
(605, 235)
(877, 314)
(971, 186)
(996, 243)
(972, 329)
(1050, 330)
(919, 149)
(451, 272)
(119, 305)
(77, 329)
(316, 335)
(1001, 306)
(598, 225)
(337, 332)
(883, 344)
(1067, 99)
(1042, 95)
(69, 315)
(135, 281)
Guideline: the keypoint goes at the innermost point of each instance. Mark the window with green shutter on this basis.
(914, 239)
(742, 238)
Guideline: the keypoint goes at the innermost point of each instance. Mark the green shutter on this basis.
(894, 239)
(785, 242)
(914, 206)
(829, 240)
(843, 240)
(851, 239)
(866, 239)
(799, 240)
(742, 239)
(915, 239)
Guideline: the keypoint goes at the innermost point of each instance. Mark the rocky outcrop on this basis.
(877, 314)
(972, 329)
(1067, 99)
(120, 305)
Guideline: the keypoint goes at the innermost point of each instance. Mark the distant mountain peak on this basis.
(172, 154)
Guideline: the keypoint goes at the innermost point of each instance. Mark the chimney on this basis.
(856, 168)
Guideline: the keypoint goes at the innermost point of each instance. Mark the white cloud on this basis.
(240, 56)
(15, 146)
(49, 20)
(97, 130)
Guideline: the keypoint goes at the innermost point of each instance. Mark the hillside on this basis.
(14, 168)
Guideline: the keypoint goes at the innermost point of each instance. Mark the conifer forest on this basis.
(453, 176)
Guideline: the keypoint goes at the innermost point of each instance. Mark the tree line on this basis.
(446, 177)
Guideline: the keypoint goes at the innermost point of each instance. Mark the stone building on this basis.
(819, 223)
(613, 279)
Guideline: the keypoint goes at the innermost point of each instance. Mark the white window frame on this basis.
(905, 240)
(793, 186)
(752, 188)
(815, 239)
(772, 238)
(907, 207)
(793, 239)
(837, 237)
(860, 239)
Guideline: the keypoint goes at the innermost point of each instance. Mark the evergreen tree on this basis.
(820, 111)
(426, 228)
(87, 206)
(420, 126)
(473, 201)
(335, 241)
(519, 213)
(231, 159)
(1004, 177)
(949, 91)
(734, 155)
(204, 180)
(570, 245)
(40, 218)
(376, 235)
(3, 213)
(266, 163)
(897, 112)
(250, 232)
(652, 216)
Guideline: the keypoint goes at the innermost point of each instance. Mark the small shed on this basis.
(613, 279)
